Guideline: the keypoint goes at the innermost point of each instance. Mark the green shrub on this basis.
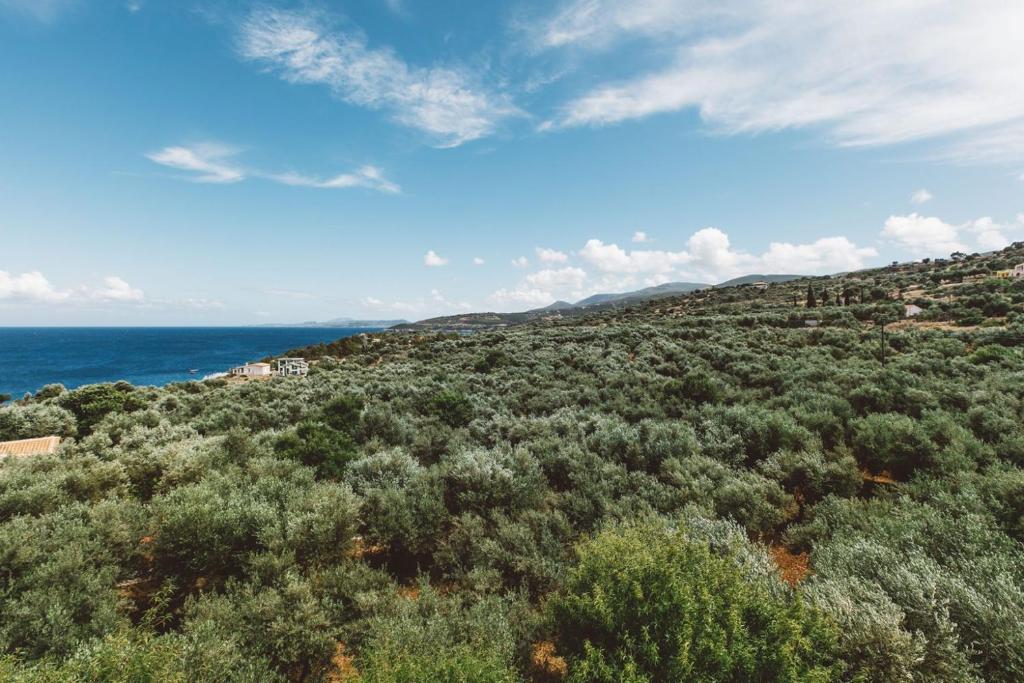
(648, 604)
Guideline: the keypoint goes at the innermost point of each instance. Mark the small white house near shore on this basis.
(252, 370)
(283, 367)
(292, 367)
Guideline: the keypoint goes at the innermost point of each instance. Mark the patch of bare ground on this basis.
(794, 567)
(343, 667)
(545, 664)
(409, 592)
(884, 477)
(361, 549)
(946, 326)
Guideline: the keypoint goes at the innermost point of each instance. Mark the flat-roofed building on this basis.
(252, 370)
(292, 367)
(25, 447)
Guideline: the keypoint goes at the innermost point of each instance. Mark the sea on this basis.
(31, 357)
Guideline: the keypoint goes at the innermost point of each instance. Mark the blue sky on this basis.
(233, 163)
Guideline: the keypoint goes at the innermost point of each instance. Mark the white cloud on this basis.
(209, 160)
(922, 196)
(303, 47)
(931, 236)
(521, 262)
(543, 287)
(826, 255)
(477, 261)
(612, 258)
(710, 256)
(116, 289)
(369, 177)
(522, 296)
(561, 279)
(873, 72)
(372, 301)
(34, 288)
(433, 260)
(212, 163)
(923, 235)
(551, 255)
(990, 236)
(640, 237)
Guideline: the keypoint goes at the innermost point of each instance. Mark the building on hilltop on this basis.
(761, 284)
(25, 447)
(1018, 271)
(911, 310)
(292, 367)
(252, 370)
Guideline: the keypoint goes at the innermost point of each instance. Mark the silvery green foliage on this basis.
(392, 468)
(943, 594)
(34, 420)
(198, 522)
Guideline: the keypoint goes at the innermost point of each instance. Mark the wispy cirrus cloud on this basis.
(369, 177)
(213, 162)
(873, 72)
(210, 162)
(444, 102)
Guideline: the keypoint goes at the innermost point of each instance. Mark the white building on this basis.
(292, 367)
(1018, 270)
(910, 310)
(760, 285)
(252, 370)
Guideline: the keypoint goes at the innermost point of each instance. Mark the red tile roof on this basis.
(41, 446)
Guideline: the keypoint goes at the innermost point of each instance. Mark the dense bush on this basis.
(501, 506)
(651, 604)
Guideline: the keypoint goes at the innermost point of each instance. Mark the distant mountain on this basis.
(340, 323)
(667, 289)
(468, 322)
(751, 279)
(557, 306)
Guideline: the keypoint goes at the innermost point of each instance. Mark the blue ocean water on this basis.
(33, 356)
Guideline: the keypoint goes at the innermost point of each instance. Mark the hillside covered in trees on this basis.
(790, 484)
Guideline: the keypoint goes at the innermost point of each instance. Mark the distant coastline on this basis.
(340, 323)
(32, 357)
